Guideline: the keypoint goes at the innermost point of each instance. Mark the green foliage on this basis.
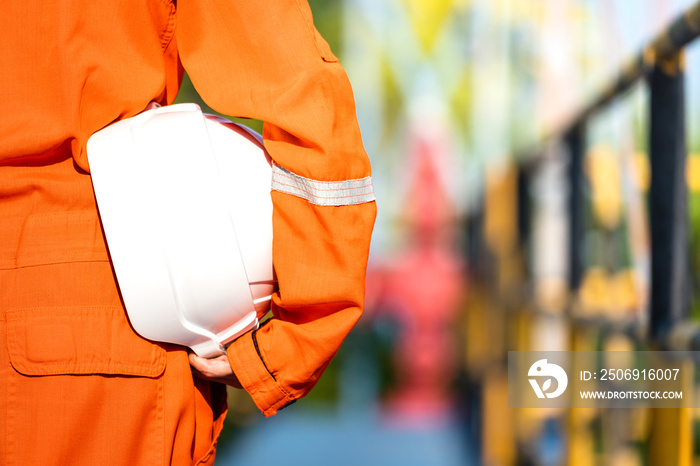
(328, 21)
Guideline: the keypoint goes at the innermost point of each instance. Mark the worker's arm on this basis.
(265, 60)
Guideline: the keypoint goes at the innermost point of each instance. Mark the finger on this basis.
(211, 367)
(214, 369)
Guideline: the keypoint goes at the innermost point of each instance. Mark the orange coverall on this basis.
(78, 385)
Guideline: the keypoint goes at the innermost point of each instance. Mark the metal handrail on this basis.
(673, 39)
(683, 30)
(660, 63)
(668, 326)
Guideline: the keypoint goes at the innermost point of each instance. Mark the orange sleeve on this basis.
(265, 60)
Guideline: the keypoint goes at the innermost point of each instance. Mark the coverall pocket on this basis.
(82, 388)
(79, 341)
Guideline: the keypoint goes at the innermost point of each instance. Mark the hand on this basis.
(215, 369)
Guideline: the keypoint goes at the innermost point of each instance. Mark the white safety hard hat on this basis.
(184, 200)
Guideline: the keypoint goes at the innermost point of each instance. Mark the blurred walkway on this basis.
(299, 436)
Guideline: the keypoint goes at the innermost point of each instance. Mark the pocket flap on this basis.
(79, 340)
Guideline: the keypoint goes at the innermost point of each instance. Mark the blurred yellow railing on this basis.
(515, 306)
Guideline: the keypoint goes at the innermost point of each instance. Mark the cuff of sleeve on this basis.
(251, 372)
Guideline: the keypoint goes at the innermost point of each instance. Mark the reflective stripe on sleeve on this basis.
(323, 193)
